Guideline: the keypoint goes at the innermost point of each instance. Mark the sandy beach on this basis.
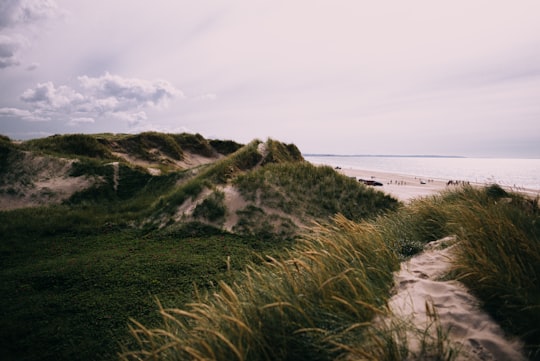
(401, 186)
(407, 187)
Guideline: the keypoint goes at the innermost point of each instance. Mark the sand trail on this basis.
(474, 331)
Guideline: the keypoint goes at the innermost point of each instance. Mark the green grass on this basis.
(71, 146)
(296, 187)
(73, 274)
(142, 145)
(70, 282)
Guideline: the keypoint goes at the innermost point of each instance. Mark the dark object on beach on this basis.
(370, 182)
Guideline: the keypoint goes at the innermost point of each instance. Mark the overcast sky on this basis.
(457, 77)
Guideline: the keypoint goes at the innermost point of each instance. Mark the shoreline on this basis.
(406, 187)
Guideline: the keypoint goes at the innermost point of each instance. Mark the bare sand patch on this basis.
(38, 181)
(419, 282)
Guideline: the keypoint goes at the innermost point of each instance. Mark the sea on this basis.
(510, 172)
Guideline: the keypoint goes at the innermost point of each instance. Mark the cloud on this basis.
(107, 96)
(22, 114)
(32, 67)
(20, 12)
(8, 49)
(81, 120)
(16, 18)
(47, 96)
(130, 90)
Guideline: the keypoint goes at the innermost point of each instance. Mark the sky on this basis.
(457, 77)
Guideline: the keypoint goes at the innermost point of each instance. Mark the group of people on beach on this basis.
(457, 182)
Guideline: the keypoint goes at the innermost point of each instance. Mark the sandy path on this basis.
(419, 282)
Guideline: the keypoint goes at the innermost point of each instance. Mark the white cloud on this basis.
(133, 119)
(18, 12)
(108, 96)
(130, 91)
(17, 18)
(49, 97)
(22, 114)
(81, 120)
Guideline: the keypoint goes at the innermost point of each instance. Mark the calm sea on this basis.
(522, 173)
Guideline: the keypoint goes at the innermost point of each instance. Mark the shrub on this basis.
(225, 147)
(212, 208)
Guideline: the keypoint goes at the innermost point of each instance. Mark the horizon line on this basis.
(382, 155)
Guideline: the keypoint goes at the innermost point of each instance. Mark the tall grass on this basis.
(318, 303)
(298, 186)
(310, 305)
(499, 253)
(499, 259)
(392, 338)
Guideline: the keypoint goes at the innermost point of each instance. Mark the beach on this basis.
(401, 186)
(406, 187)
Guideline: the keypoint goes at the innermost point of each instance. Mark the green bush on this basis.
(225, 147)
(212, 208)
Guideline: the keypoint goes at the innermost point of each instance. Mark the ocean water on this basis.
(518, 173)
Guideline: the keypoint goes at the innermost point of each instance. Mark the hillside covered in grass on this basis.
(160, 246)
(324, 299)
(95, 227)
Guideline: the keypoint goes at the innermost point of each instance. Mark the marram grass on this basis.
(311, 305)
(322, 301)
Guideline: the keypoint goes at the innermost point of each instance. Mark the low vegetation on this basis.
(73, 274)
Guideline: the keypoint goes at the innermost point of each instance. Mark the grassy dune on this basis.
(73, 274)
(317, 302)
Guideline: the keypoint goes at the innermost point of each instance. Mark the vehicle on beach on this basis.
(370, 182)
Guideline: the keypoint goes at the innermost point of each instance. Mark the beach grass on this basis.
(73, 274)
(310, 305)
(498, 257)
(322, 301)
